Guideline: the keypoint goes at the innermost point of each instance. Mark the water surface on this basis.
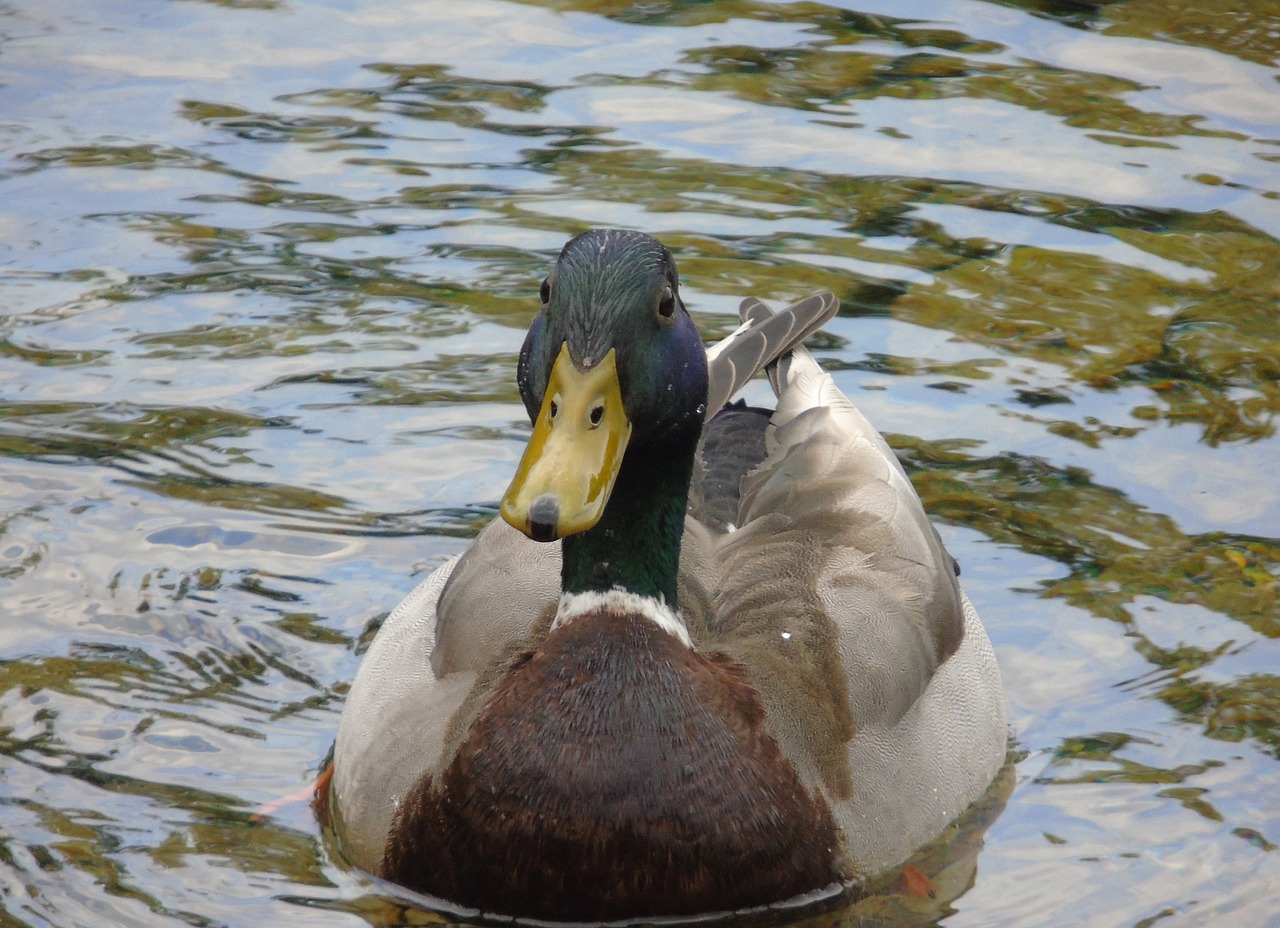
(264, 267)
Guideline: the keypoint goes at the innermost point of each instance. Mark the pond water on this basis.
(264, 266)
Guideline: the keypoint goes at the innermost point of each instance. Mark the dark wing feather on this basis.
(732, 445)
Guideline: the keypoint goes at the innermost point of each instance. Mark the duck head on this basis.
(612, 370)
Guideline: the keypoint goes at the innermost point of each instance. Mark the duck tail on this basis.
(763, 337)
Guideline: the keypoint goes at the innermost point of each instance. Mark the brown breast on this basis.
(615, 773)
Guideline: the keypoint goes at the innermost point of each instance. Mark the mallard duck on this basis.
(745, 673)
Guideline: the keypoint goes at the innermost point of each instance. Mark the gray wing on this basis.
(838, 597)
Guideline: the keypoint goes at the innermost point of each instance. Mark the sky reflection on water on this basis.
(264, 268)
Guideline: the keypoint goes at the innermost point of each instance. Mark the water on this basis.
(264, 267)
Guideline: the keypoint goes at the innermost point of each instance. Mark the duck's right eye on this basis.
(545, 291)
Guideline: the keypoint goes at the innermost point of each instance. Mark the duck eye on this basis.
(667, 305)
(545, 291)
(597, 413)
(555, 408)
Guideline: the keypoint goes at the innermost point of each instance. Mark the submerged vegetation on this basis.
(264, 272)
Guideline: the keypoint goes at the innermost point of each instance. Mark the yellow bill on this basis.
(574, 454)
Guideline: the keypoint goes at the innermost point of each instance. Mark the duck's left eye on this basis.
(667, 304)
(545, 291)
